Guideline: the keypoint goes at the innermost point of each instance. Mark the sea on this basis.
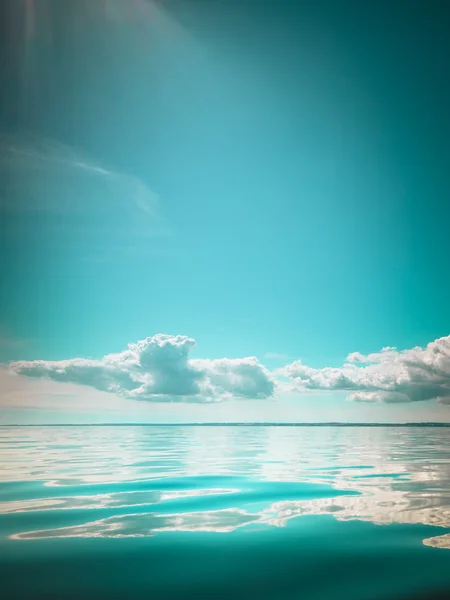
(224, 511)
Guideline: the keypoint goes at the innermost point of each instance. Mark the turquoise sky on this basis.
(269, 178)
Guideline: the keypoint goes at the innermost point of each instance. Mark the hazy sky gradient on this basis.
(269, 178)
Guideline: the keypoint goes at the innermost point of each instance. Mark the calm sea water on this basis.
(224, 512)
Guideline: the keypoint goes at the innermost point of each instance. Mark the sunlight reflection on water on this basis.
(211, 478)
(142, 481)
(140, 512)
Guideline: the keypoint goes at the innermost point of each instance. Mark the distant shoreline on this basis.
(244, 424)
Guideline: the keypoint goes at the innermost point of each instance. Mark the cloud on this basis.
(277, 356)
(20, 395)
(237, 377)
(390, 375)
(159, 369)
(39, 164)
(58, 198)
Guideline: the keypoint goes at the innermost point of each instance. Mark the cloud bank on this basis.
(390, 376)
(159, 369)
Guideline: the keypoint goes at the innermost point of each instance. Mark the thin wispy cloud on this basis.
(49, 176)
(277, 356)
(61, 199)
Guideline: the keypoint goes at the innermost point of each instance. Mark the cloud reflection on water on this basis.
(223, 479)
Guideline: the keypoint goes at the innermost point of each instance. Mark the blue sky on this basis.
(267, 178)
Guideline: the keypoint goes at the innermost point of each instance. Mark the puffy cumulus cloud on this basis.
(159, 369)
(357, 357)
(237, 377)
(389, 376)
(379, 396)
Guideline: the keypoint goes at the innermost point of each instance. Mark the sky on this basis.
(224, 211)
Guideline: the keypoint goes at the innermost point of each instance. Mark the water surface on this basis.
(224, 512)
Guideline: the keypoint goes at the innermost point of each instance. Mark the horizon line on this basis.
(240, 424)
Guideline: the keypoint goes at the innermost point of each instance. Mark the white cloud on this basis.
(21, 395)
(379, 396)
(58, 200)
(388, 376)
(158, 369)
(237, 377)
(40, 168)
(277, 356)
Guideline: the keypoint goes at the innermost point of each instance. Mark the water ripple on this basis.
(143, 481)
